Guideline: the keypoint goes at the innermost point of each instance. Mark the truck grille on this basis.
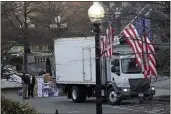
(139, 85)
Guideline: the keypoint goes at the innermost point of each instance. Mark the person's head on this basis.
(27, 74)
(42, 70)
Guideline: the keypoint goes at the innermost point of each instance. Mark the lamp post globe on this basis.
(96, 13)
(117, 21)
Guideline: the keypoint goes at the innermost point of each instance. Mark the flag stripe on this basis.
(132, 36)
(107, 41)
(150, 45)
(134, 46)
(136, 36)
(138, 59)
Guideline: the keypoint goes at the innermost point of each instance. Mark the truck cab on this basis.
(125, 78)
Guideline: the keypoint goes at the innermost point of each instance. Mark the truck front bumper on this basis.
(126, 93)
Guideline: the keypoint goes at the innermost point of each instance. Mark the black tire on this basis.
(78, 94)
(146, 99)
(150, 98)
(113, 99)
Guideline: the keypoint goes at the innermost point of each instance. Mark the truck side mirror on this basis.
(118, 73)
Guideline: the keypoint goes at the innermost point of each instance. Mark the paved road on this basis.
(65, 106)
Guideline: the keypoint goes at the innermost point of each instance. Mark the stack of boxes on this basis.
(46, 86)
(40, 83)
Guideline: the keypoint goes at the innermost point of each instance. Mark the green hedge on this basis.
(13, 107)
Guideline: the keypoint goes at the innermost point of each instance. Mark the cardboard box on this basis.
(36, 85)
(50, 78)
(48, 74)
(47, 78)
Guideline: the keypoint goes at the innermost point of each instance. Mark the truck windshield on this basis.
(129, 66)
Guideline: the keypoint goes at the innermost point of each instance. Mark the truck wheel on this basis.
(150, 97)
(146, 99)
(113, 98)
(78, 94)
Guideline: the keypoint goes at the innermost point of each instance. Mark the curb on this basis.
(165, 87)
(10, 88)
(165, 98)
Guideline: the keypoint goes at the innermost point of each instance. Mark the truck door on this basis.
(87, 64)
(115, 71)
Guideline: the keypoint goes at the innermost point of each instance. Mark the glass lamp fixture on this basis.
(96, 13)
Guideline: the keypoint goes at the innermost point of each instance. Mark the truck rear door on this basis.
(87, 64)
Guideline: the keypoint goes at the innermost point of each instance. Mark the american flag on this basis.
(107, 40)
(134, 32)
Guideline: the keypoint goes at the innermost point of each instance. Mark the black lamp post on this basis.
(96, 15)
(118, 21)
(27, 25)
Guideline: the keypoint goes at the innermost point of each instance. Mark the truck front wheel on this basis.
(113, 98)
(78, 94)
(146, 99)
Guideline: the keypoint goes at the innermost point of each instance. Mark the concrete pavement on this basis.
(162, 92)
(162, 85)
(161, 82)
(65, 106)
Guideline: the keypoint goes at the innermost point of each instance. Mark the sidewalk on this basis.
(165, 98)
(162, 85)
(162, 92)
(162, 82)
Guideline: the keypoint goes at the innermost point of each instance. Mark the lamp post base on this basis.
(98, 100)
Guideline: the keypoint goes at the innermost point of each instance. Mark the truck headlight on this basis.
(125, 90)
(152, 88)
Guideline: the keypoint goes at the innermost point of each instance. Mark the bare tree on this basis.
(16, 14)
(42, 14)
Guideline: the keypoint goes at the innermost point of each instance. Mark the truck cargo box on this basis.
(75, 60)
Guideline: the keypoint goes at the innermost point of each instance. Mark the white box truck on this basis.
(120, 76)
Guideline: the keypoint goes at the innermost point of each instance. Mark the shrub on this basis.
(13, 107)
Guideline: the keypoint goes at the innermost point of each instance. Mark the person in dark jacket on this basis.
(42, 72)
(26, 83)
(31, 86)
